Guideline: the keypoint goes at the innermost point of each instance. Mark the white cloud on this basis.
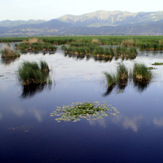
(158, 121)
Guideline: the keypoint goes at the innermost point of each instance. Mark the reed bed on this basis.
(34, 73)
(35, 47)
(141, 73)
(141, 76)
(96, 51)
(8, 53)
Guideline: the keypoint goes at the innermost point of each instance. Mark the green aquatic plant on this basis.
(141, 73)
(98, 52)
(132, 52)
(44, 67)
(122, 73)
(77, 111)
(157, 63)
(9, 53)
(35, 47)
(111, 79)
(151, 68)
(32, 73)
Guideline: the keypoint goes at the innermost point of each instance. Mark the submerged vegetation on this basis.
(32, 73)
(77, 111)
(9, 53)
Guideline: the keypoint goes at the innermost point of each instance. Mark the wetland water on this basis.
(29, 134)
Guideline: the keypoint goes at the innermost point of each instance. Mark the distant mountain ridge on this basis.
(14, 23)
(95, 23)
(112, 18)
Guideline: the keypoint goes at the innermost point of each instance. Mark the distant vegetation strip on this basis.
(35, 45)
(143, 42)
(93, 49)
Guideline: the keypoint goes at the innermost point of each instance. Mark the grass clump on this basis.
(141, 73)
(78, 111)
(121, 76)
(122, 73)
(97, 52)
(141, 76)
(32, 73)
(9, 53)
(151, 68)
(157, 64)
(120, 79)
(111, 79)
(34, 46)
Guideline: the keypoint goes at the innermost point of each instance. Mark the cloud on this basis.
(158, 121)
(132, 123)
(17, 111)
(100, 122)
(37, 115)
(128, 122)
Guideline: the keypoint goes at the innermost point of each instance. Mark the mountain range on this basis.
(95, 23)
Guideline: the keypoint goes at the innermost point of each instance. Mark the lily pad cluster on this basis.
(77, 111)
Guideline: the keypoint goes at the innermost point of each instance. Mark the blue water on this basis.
(29, 134)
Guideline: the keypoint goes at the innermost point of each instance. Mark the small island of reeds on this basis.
(157, 63)
(35, 45)
(34, 73)
(77, 111)
(141, 75)
(8, 53)
(96, 51)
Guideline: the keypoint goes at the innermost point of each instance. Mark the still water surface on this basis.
(29, 134)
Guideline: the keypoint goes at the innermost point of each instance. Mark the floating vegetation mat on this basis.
(77, 111)
(157, 64)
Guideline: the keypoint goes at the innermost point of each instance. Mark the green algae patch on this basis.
(77, 111)
(157, 64)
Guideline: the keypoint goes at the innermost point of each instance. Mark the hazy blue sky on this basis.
(50, 9)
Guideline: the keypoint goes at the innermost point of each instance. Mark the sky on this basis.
(51, 9)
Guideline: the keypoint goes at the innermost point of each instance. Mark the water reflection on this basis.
(87, 57)
(8, 61)
(141, 86)
(132, 123)
(120, 87)
(109, 90)
(122, 84)
(158, 121)
(32, 89)
(101, 123)
(127, 123)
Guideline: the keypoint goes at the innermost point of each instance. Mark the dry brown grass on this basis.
(96, 41)
(127, 43)
(32, 40)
